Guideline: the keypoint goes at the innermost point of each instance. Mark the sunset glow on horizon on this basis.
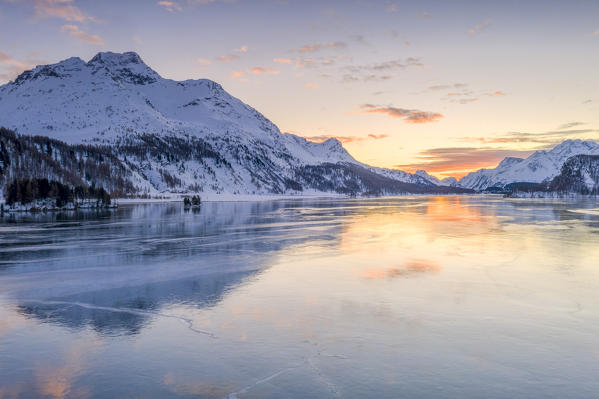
(445, 86)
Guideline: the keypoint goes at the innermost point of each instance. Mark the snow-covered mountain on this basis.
(539, 167)
(177, 136)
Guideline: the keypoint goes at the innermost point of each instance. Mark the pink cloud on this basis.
(11, 68)
(62, 9)
(170, 6)
(74, 31)
(227, 58)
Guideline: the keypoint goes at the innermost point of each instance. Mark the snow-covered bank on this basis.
(228, 197)
(551, 195)
(48, 205)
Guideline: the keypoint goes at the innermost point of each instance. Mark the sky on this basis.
(446, 86)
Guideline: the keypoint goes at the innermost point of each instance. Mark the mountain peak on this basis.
(509, 161)
(569, 145)
(127, 67)
(116, 59)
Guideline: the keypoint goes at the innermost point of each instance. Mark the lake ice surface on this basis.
(427, 297)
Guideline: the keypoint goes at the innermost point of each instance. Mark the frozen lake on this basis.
(415, 297)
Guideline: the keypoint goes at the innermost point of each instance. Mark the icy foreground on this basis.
(415, 297)
(189, 136)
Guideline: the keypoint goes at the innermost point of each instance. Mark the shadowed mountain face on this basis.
(189, 136)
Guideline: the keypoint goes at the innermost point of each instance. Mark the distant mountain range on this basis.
(541, 166)
(114, 122)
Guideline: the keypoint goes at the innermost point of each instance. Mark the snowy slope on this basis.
(539, 167)
(178, 136)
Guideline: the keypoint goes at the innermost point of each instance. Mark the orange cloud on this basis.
(74, 31)
(408, 115)
(263, 70)
(378, 136)
(204, 61)
(311, 85)
(170, 6)
(283, 60)
(227, 58)
(238, 74)
(242, 49)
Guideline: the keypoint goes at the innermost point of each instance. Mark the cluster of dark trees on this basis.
(576, 176)
(38, 157)
(193, 201)
(26, 191)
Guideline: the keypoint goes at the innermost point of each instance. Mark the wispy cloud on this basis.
(462, 94)
(392, 7)
(62, 9)
(540, 140)
(258, 70)
(407, 115)
(10, 68)
(311, 85)
(448, 86)
(74, 31)
(378, 136)
(596, 33)
(379, 71)
(228, 58)
(479, 27)
(233, 55)
(283, 60)
(170, 6)
(570, 125)
(310, 48)
(264, 71)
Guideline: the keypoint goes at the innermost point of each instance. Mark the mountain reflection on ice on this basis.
(458, 297)
(141, 258)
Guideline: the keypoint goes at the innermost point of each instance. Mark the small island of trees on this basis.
(44, 194)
